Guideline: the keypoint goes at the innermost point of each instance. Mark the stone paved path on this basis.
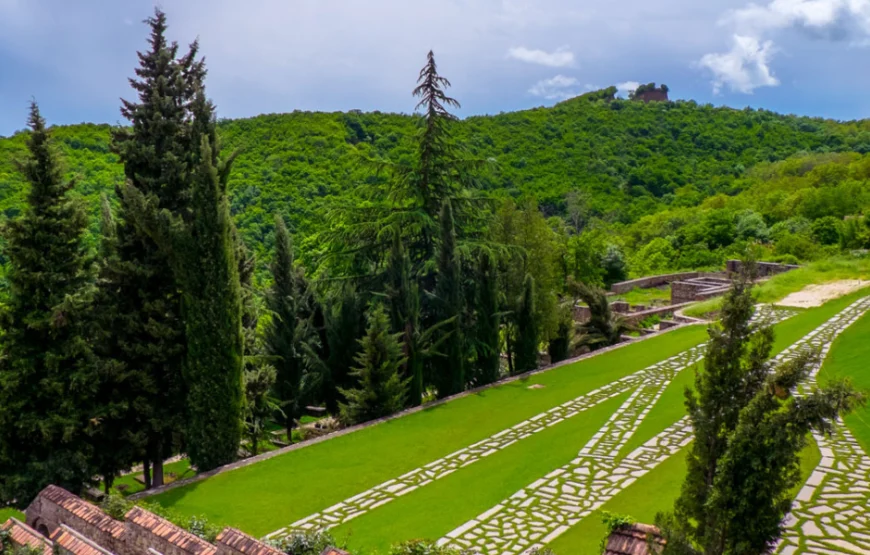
(385, 492)
(545, 509)
(831, 514)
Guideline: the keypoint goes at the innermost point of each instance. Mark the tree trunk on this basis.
(510, 352)
(146, 473)
(157, 463)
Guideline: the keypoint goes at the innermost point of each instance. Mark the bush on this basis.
(116, 506)
(306, 543)
(424, 547)
(826, 230)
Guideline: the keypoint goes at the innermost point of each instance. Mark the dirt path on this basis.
(817, 295)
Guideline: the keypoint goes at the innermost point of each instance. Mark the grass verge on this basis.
(7, 512)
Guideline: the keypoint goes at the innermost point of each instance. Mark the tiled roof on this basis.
(634, 540)
(169, 532)
(22, 534)
(82, 509)
(243, 543)
(75, 543)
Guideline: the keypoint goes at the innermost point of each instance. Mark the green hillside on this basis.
(630, 160)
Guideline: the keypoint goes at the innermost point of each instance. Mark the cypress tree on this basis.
(345, 325)
(381, 390)
(527, 329)
(404, 302)
(449, 369)
(47, 379)
(148, 332)
(281, 333)
(487, 323)
(202, 253)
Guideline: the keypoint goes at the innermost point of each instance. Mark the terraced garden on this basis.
(516, 466)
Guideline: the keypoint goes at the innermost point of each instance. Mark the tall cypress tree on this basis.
(449, 369)
(148, 332)
(47, 380)
(201, 249)
(282, 301)
(528, 337)
(487, 323)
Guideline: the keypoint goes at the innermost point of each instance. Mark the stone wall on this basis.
(651, 281)
(55, 506)
(765, 269)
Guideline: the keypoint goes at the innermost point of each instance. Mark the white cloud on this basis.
(561, 57)
(627, 87)
(559, 87)
(744, 68)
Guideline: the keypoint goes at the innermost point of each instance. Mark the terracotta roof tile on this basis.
(243, 543)
(633, 540)
(333, 551)
(83, 510)
(75, 543)
(169, 532)
(22, 534)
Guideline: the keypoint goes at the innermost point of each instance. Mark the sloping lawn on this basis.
(850, 357)
(6, 513)
(270, 494)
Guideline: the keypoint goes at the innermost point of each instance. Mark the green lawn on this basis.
(273, 493)
(644, 296)
(128, 484)
(849, 357)
(6, 513)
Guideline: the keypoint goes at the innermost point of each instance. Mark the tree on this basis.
(282, 329)
(47, 379)
(528, 340)
(147, 332)
(604, 327)
(559, 347)
(260, 405)
(381, 390)
(345, 325)
(614, 266)
(404, 301)
(200, 247)
(487, 330)
(449, 369)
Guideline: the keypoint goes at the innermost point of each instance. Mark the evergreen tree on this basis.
(528, 337)
(734, 369)
(449, 369)
(47, 379)
(260, 406)
(148, 332)
(604, 327)
(559, 346)
(381, 390)
(281, 334)
(345, 325)
(487, 322)
(405, 317)
(202, 253)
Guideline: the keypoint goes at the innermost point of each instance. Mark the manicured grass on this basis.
(435, 510)
(273, 493)
(644, 296)
(777, 287)
(129, 485)
(7, 512)
(848, 357)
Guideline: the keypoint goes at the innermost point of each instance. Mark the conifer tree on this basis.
(202, 252)
(528, 337)
(405, 317)
(345, 325)
(487, 323)
(47, 378)
(449, 369)
(148, 332)
(281, 334)
(381, 390)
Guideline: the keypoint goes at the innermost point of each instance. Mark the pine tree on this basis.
(528, 336)
(381, 390)
(281, 334)
(487, 323)
(47, 378)
(202, 254)
(148, 332)
(734, 369)
(449, 369)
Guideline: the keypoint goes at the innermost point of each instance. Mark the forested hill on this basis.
(631, 159)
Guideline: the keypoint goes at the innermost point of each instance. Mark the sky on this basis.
(805, 57)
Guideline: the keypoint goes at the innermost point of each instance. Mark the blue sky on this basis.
(795, 56)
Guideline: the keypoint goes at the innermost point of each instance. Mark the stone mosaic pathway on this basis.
(831, 514)
(545, 509)
(660, 373)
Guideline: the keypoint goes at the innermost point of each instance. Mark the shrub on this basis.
(826, 230)
(116, 506)
(424, 547)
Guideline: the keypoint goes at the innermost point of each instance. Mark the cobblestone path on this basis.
(545, 509)
(639, 382)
